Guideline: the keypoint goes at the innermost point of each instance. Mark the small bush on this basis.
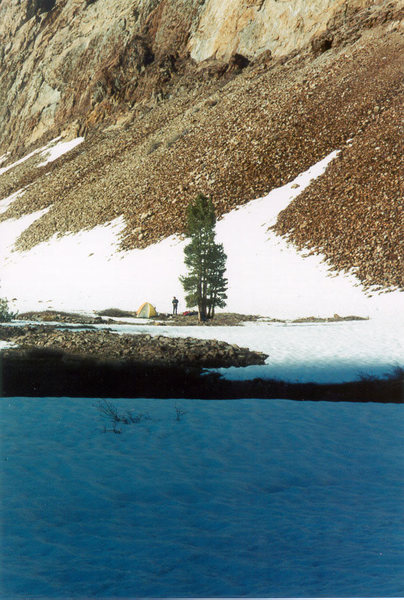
(180, 413)
(115, 312)
(110, 412)
(5, 313)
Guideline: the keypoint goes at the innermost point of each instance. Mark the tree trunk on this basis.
(201, 314)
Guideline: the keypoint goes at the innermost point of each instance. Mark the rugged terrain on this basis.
(144, 349)
(179, 98)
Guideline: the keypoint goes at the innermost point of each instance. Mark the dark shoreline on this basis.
(53, 373)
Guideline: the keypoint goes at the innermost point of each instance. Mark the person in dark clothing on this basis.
(175, 305)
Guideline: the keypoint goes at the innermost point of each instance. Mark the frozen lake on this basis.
(237, 498)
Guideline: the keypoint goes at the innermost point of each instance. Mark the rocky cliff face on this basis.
(253, 26)
(71, 63)
(231, 99)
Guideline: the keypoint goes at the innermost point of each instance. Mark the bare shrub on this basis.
(180, 413)
(110, 412)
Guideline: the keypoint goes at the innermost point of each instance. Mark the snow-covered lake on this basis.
(305, 352)
(239, 498)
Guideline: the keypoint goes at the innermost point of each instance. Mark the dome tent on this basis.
(146, 310)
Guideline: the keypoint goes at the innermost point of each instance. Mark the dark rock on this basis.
(38, 6)
(322, 43)
(237, 62)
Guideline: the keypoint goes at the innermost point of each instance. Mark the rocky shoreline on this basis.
(144, 349)
(108, 316)
(76, 360)
(42, 372)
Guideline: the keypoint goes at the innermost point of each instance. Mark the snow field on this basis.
(6, 202)
(54, 152)
(4, 345)
(238, 498)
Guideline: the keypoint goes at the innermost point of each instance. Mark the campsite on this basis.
(146, 310)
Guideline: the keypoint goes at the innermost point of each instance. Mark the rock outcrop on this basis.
(142, 348)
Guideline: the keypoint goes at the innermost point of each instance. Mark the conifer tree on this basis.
(205, 285)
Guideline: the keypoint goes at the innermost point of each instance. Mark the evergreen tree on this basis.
(205, 285)
(5, 313)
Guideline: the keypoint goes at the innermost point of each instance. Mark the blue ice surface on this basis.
(242, 498)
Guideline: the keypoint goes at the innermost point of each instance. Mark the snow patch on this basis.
(30, 155)
(6, 202)
(5, 345)
(61, 148)
(10, 231)
(53, 150)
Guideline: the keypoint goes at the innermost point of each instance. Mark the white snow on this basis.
(53, 150)
(10, 231)
(4, 345)
(59, 149)
(323, 352)
(6, 202)
(27, 156)
(244, 498)
(318, 352)
(86, 271)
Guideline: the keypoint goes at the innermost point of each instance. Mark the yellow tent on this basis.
(146, 310)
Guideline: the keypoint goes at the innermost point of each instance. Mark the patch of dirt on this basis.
(220, 319)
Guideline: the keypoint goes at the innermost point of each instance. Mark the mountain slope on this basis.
(70, 63)
(235, 131)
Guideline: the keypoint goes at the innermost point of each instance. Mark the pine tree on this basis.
(205, 285)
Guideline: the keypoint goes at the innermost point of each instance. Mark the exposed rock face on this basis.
(67, 61)
(56, 54)
(251, 27)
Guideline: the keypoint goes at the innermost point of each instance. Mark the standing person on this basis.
(175, 305)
